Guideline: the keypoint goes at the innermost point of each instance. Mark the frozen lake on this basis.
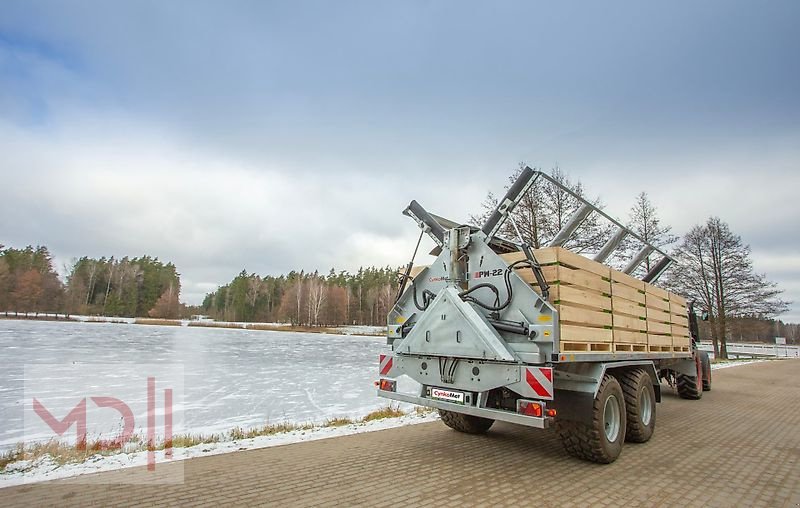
(232, 377)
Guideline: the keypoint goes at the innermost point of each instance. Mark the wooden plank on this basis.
(679, 320)
(629, 336)
(653, 327)
(624, 278)
(679, 331)
(573, 277)
(627, 292)
(656, 291)
(676, 308)
(585, 347)
(552, 255)
(571, 333)
(623, 306)
(659, 340)
(682, 342)
(656, 302)
(630, 323)
(582, 316)
(630, 348)
(574, 296)
(658, 315)
(678, 299)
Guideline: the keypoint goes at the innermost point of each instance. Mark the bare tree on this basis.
(714, 268)
(645, 222)
(317, 293)
(544, 210)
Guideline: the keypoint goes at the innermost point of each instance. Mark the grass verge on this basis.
(63, 453)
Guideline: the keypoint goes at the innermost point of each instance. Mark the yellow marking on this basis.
(547, 333)
(400, 320)
(545, 317)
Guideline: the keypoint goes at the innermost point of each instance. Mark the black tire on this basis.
(640, 405)
(706, 371)
(691, 387)
(591, 441)
(465, 423)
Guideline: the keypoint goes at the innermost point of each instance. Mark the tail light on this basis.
(387, 385)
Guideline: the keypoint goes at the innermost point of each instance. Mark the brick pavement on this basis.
(738, 446)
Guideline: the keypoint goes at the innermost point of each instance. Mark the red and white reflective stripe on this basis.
(540, 379)
(385, 365)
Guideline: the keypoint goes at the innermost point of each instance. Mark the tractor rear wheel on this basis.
(691, 387)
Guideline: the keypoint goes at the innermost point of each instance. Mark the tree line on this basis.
(140, 286)
(309, 299)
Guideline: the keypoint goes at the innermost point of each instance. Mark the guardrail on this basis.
(738, 349)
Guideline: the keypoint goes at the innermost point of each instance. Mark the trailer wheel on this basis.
(465, 423)
(640, 405)
(600, 441)
(706, 371)
(691, 387)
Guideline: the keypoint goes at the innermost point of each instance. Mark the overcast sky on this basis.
(278, 136)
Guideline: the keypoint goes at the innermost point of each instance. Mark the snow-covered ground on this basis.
(45, 469)
(232, 378)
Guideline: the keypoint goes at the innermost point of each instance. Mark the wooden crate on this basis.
(658, 315)
(604, 310)
(659, 343)
(629, 336)
(580, 291)
(621, 305)
(679, 331)
(678, 299)
(655, 327)
(681, 344)
(583, 316)
(572, 333)
(625, 322)
(679, 320)
(656, 302)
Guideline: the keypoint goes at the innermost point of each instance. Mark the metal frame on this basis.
(483, 412)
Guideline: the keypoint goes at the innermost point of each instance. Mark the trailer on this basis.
(494, 330)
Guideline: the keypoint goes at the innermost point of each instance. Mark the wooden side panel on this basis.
(627, 292)
(629, 337)
(681, 343)
(623, 306)
(629, 323)
(627, 280)
(573, 277)
(552, 255)
(660, 328)
(679, 320)
(679, 331)
(656, 302)
(571, 333)
(575, 296)
(658, 315)
(676, 308)
(659, 340)
(582, 316)
(677, 299)
(656, 291)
